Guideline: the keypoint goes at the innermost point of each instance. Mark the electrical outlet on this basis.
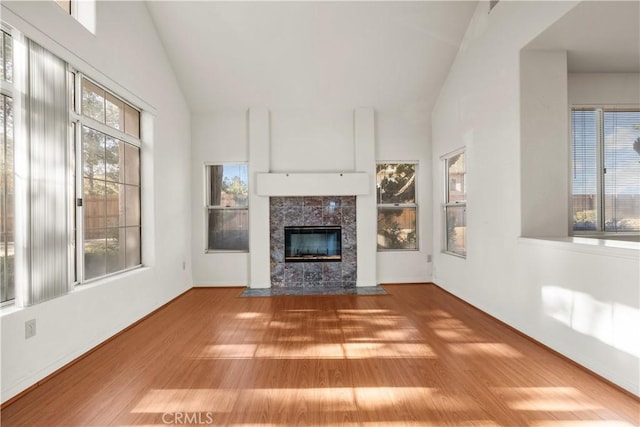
(29, 328)
(429, 258)
(184, 265)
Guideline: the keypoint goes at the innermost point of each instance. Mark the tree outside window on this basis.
(455, 205)
(227, 207)
(397, 208)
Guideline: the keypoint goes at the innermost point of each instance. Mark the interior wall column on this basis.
(259, 240)
(366, 208)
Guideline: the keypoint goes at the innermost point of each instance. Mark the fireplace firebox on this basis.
(313, 244)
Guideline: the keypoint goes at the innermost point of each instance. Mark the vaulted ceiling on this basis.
(233, 55)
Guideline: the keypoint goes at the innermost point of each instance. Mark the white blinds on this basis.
(47, 253)
(605, 169)
(621, 170)
(584, 169)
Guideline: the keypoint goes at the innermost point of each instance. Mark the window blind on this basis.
(584, 173)
(47, 251)
(621, 171)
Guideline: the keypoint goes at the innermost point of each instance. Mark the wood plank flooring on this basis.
(415, 357)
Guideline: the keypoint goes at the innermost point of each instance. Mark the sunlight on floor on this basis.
(249, 315)
(296, 350)
(543, 400)
(463, 335)
(486, 348)
(546, 399)
(336, 398)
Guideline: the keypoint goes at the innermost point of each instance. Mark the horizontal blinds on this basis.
(621, 130)
(584, 173)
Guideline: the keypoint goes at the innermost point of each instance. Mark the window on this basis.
(455, 206)
(6, 58)
(227, 207)
(111, 182)
(605, 170)
(6, 198)
(65, 5)
(77, 169)
(397, 208)
(83, 11)
(7, 188)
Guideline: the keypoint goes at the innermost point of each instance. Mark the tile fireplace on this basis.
(313, 242)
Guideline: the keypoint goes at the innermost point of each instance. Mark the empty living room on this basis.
(321, 213)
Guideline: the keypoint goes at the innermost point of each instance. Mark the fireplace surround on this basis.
(306, 215)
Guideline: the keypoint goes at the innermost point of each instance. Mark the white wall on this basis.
(523, 281)
(405, 135)
(604, 89)
(311, 139)
(544, 150)
(125, 50)
(221, 136)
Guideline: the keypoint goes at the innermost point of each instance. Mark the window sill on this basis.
(598, 246)
(454, 254)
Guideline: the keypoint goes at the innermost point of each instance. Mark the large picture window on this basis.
(455, 206)
(227, 207)
(397, 207)
(605, 170)
(70, 182)
(111, 182)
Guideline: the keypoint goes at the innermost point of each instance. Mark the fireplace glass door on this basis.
(313, 244)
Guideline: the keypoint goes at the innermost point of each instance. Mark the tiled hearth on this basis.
(313, 211)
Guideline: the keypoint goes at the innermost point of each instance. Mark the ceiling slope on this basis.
(232, 55)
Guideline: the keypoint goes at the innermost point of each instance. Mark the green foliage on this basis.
(396, 183)
(395, 237)
(235, 186)
(585, 219)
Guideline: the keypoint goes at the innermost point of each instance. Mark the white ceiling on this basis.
(232, 55)
(599, 37)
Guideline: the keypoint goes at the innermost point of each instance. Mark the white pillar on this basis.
(366, 209)
(259, 246)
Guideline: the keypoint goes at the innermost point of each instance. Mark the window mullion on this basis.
(79, 206)
(109, 131)
(397, 205)
(601, 171)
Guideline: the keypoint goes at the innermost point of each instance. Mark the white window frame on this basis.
(83, 11)
(8, 89)
(80, 68)
(81, 120)
(209, 207)
(600, 194)
(413, 205)
(447, 204)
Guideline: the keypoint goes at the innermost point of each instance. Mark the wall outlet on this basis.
(30, 328)
(184, 265)
(429, 258)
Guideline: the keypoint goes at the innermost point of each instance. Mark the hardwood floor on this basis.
(415, 357)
